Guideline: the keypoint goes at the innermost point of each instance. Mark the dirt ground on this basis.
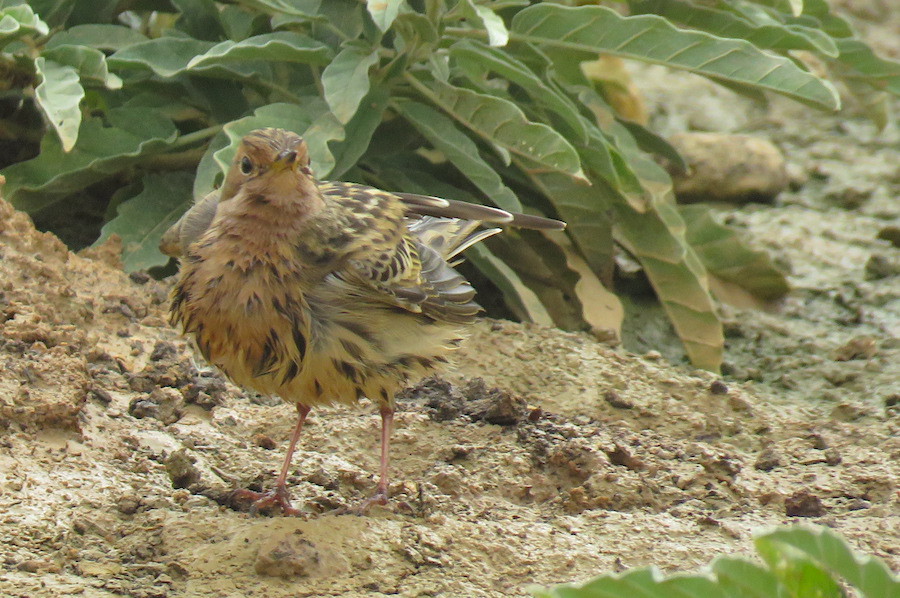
(542, 457)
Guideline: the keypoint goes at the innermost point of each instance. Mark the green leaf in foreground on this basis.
(59, 95)
(800, 562)
(597, 29)
(142, 220)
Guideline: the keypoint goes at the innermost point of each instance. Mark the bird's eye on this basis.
(246, 165)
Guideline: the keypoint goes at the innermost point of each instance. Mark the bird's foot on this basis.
(380, 498)
(265, 502)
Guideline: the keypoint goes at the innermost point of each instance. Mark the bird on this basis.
(324, 292)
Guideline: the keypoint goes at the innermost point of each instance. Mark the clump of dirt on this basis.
(543, 457)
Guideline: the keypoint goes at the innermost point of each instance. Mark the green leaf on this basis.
(477, 59)
(383, 12)
(521, 301)
(726, 256)
(199, 19)
(773, 35)
(142, 220)
(98, 36)
(308, 9)
(462, 152)
(487, 18)
(101, 151)
(657, 239)
(587, 210)
(164, 56)
(503, 123)
(597, 29)
(90, 64)
(359, 131)
(829, 551)
(346, 80)
(863, 64)
(747, 580)
(281, 46)
(19, 21)
(650, 142)
(59, 96)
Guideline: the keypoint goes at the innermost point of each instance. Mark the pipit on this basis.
(324, 292)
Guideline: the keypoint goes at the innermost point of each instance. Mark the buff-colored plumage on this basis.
(323, 292)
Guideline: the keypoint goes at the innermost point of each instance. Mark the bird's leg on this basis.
(279, 497)
(381, 491)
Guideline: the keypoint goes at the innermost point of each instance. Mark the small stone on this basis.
(615, 400)
(31, 566)
(165, 404)
(128, 504)
(890, 233)
(833, 456)
(768, 460)
(181, 469)
(803, 504)
(859, 347)
(880, 266)
(493, 405)
(264, 441)
(139, 277)
(718, 388)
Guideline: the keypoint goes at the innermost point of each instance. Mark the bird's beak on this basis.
(285, 160)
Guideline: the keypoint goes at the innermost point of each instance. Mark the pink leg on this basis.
(381, 491)
(279, 497)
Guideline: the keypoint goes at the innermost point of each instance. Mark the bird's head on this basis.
(271, 166)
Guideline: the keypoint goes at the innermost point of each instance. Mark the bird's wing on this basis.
(190, 226)
(408, 269)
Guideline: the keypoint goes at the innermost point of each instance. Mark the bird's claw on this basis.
(266, 501)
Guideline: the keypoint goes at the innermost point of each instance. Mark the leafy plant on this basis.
(503, 101)
(798, 562)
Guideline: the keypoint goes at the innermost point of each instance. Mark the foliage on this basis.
(480, 100)
(798, 562)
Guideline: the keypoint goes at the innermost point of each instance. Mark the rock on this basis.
(803, 504)
(732, 168)
(880, 266)
(768, 460)
(859, 347)
(493, 405)
(165, 404)
(616, 401)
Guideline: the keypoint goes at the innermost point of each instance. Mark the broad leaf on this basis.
(461, 151)
(484, 17)
(521, 301)
(597, 29)
(59, 96)
(98, 36)
(501, 122)
(142, 220)
(359, 131)
(18, 21)
(726, 257)
(868, 574)
(281, 46)
(477, 59)
(657, 239)
(774, 36)
(587, 210)
(346, 81)
(101, 152)
(383, 12)
(89, 63)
